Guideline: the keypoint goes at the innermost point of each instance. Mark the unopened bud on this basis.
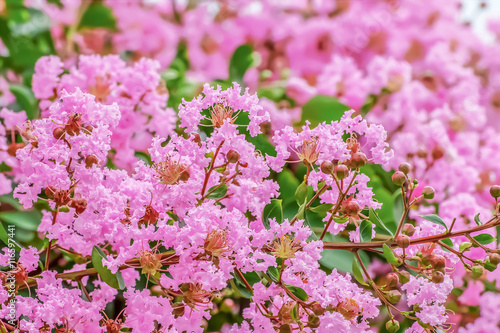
(313, 321)
(341, 171)
(428, 192)
(184, 175)
(327, 167)
(403, 241)
(90, 161)
(464, 246)
(494, 258)
(196, 138)
(409, 229)
(437, 277)
(14, 147)
(79, 205)
(285, 328)
(404, 276)
(358, 160)
(391, 280)
(437, 152)
(495, 191)
(422, 153)
(392, 326)
(477, 271)
(352, 208)
(318, 309)
(49, 192)
(393, 296)
(398, 178)
(233, 156)
(438, 261)
(58, 133)
(404, 168)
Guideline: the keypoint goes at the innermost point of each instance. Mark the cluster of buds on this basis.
(62, 198)
(73, 127)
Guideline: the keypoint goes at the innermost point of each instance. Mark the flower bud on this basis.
(313, 321)
(437, 277)
(13, 147)
(464, 246)
(404, 168)
(391, 280)
(428, 192)
(58, 133)
(185, 175)
(437, 153)
(196, 138)
(398, 178)
(477, 271)
(495, 191)
(438, 261)
(79, 205)
(341, 171)
(494, 258)
(318, 309)
(327, 167)
(49, 192)
(392, 326)
(393, 296)
(358, 159)
(409, 229)
(403, 241)
(285, 328)
(422, 153)
(404, 276)
(232, 156)
(352, 208)
(91, 160)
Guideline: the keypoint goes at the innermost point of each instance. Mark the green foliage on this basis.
(241, 61)
(434, 219)
(322, 108)
(113, 280)
(274, 210)
(98, 16)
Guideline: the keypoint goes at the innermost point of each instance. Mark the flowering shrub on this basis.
(250, 166)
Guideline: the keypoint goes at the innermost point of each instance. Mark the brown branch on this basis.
(428, 239)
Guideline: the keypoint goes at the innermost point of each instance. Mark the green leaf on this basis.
(484, 239)
(322, 209)
(240, 289)
(113, 280)
(378, 222)
(448, 242)
(252, 277)
(365, 231)
(301, 193)
(489, 266)
(288, 184)
(339, 259)
(219, 191)
(28, 219)
(241, 60)
(98, 16)
(477, 220)
(273, 273)
(356, 271)
(298, 292)
(390, 257)
(4, 237)
(434, 219)
(397, 206)
(274, 210)
(323, 108)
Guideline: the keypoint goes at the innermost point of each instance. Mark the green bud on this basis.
(464, 246)
(392, 326)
